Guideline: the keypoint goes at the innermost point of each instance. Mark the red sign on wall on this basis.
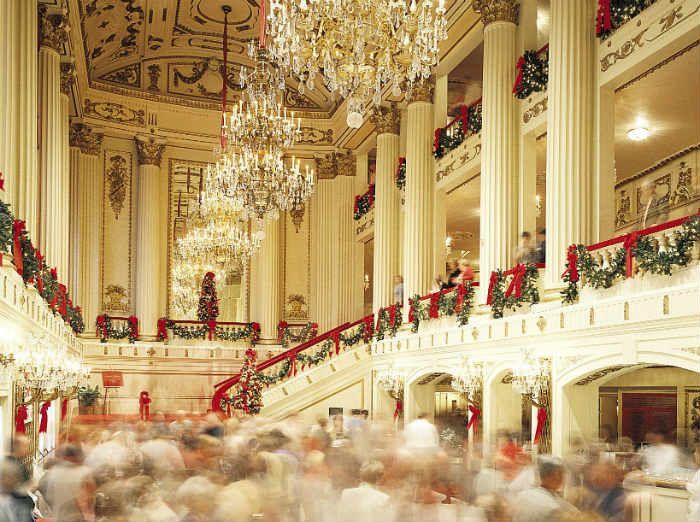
(112, 379)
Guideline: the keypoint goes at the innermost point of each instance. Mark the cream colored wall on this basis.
(348, 398)
(505, 407)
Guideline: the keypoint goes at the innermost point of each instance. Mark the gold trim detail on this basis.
(497, 11)
(53, 29)
(387, 120)
(149, 150)
(87, 140)
(534, 111)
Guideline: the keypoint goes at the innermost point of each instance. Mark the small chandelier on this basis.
(358, 46)
(469, 379)
(531, 375)
(47, 368)
(392, 380)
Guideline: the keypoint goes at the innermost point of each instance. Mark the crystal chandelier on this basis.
(392, 380)
(531, 375)
(358, 46)
(469, 379)
(48, 368)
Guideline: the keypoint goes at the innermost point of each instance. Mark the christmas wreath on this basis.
(521, 288)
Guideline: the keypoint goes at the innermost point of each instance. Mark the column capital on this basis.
(85, 138)
(67, 76)
(345, 163)
(325, 166)
(387, 120)
(422, 91)
(149, 150)
(497, 10)
(335, 164)
(53, 28)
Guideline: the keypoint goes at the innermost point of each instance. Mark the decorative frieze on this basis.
(86, 139)
(387, 120)
(497, 10)
(114, 112)
(335, 164)
(53, 29)
(149, 150)
(67, 76)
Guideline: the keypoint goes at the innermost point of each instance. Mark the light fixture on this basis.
(638, 133)
(469, 379)
(392, 380)
(357, 47)
(531, 375)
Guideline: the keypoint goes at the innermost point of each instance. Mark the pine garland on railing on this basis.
(615, 13)
(106, 329)
(582, 269)
(401, 174)
(210, 330)
(522, 288)
(363, 203)
(388, 322)
(458, 301)
(285, 334)
(451, 136)
(533, 73)
(251, 331)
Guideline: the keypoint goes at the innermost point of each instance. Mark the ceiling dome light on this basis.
(638, 134)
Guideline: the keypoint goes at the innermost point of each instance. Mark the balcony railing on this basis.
(231, 331)
(363, 203)
(449, 137)
(533, 72)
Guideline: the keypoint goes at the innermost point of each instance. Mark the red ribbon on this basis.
(44, 421)
(398, 409)
(62, 300)
(629, 244)
(461, 295)
(292, 365)
(133, 326)
(212, 328)
(493, 280)
(370, 195)
(571, 262)
(101, 324)
(64, 409)
(519, 79)
(411, 311)
(17, 229)
(436, 141)
(475, 414)
(20, 417)
(255, 337)
(162, 328)
(464, 114)
(263, 15)
(433, 311)
(336, 340)
(2, 181)
(281, 329)
(541, 419)
(392, 316)
(516, 284)
(144, 405)
(604, 18)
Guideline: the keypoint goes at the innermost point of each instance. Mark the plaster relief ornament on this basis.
(116, 299)
(118, 177)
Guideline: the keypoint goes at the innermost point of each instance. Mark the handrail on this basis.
(462, 116)
(204, 323)
(223, 386)
(644, 232)
(444, 291)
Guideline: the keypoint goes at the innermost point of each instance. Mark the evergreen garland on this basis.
(457, 302)
(248, 396)
(285, 335)
(417, 312)
(615, 13)
(401, 174)
(474, 118)
(446, 140)
(106, 329)
(75, 319)
(353, 338)
(501, 301)
(208, 307)
(228, 333)
(385, 325)
(188, 332)
(6, 220)
(363, 203)
(29, 261)
(532, 74)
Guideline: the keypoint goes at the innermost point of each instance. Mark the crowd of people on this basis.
(343, 469)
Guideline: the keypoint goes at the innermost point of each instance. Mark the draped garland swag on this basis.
(107, 329)
(509, 294)
(389, 320)
(614, 13)
(533, 73)
(285, 334)
(363, 203)
(458, 301)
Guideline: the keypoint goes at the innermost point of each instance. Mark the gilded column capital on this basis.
(53, 29)
(67, 76)
(345, 163)
(497, 10)
(149, 150)
(422, 91)
(387, 120)
(326, 166)
(85, 138)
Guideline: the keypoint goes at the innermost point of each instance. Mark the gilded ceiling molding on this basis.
(114, 112)
(497, 10)
(67, 77)
(422, 91)
(86, 139)
(149, 150)
(53, 29)
(387, 120)
(316, 136)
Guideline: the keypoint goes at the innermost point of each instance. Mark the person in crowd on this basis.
(544, 502)
(80, 508)
(62, 482)
(524, 252)
(658, 456)
(612, 505)
(462, 273)
(541, 249)
(421, 436)
(693, 488)
(398, 289)
(366, 502)
(438, 284)
(15, 503)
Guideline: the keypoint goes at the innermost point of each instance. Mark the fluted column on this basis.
(570, 131)
(386, 262)
(149, 224)
(63, 263)
(323, 242)
(53, 201)
(420, 184)
(6, 195)
(499, 138)
(344, 189)
(358, 265)
(86, 222)
(265, 283)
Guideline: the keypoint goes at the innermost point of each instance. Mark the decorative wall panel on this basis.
(296, 276)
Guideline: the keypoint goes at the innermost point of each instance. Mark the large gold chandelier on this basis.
(251, 169)
(358, 46)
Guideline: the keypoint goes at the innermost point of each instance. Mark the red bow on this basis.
(2, 181)
(101, 326)
(411, 312)
(571, 262)
(464, 117)
(162, 328)
(370, 195)
(493, 280)
(516, 284)
(17, 229)
(134, 326)
(629, 244)
(541, 419)
(436, 141)
(62, 304)
(212, 328)
(461, 294)
(20, 418)
(144, 405)
(281, 329)
(392, 316)
(356, 208)
(64, 409)
(475, 414)
(604, 19)
(44, 421)
(336, 340)
(292, 365)
(519, 79)
(398, 409)
(368, 323)
(433, 311)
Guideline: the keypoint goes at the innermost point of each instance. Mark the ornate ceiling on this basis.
(171, 51)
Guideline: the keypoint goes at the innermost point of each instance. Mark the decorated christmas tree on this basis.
(248, 396)
(208, 308)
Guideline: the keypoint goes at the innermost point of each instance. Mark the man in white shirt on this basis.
(541, 504)
(421, 435)
(366, 503)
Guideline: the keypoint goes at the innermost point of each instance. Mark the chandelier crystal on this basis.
(392, 380)
(358, 47)
(469, 379)
(45, 367)
(531, 375)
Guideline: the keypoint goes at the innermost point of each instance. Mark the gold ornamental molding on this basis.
(53, 29)
(67, 76)
(422, 91)
(387, 120)
(85, 138)
(149, 150)
(658, 165)
(497, 11)
(534, 111)
(114, 112)
(335, 164)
